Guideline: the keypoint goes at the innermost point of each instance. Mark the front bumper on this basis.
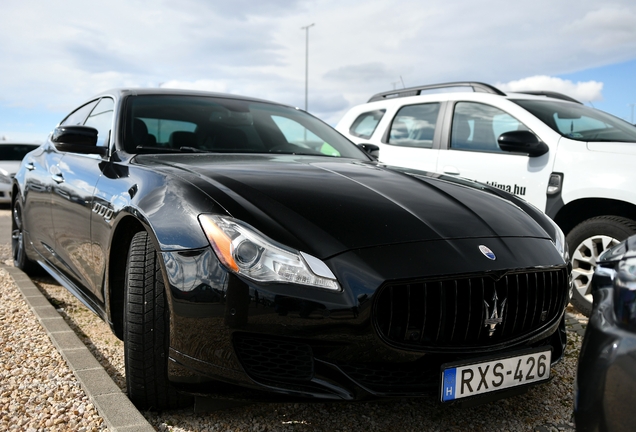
(228, 334)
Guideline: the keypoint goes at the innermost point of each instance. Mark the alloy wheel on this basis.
(584, 262)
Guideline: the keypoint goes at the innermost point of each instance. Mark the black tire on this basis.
(146, 330)
(18, 245)
(586, 242)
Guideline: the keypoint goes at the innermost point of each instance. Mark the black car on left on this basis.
(245, 248)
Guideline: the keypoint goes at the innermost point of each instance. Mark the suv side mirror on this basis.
(371, 149)
(77, 139)
(522, 142)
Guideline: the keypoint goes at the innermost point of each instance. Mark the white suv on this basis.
(576, 163)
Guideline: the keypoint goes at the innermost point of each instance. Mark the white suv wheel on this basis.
(587, 241)
(584, 261)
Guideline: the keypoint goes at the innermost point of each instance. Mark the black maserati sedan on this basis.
(244, 248)
(605, 391)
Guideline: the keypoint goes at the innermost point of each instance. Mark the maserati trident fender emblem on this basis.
(487, 252)
(103, 211)
(496, 317)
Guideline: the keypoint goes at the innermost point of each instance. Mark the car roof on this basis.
(469, 86)
(125, 91)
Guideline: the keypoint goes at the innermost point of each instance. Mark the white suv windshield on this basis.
(579, 122)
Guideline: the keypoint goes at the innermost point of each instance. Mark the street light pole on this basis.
(306, 28)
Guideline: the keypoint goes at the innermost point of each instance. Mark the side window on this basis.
(476, 127)
(414, 126)
(364, 125)
(77, 117)
(101, 118)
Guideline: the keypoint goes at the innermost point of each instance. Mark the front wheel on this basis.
(146, 330)
(587, 241)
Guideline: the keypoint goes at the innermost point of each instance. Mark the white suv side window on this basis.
(477, 126)
(414, 126)
(364, 125)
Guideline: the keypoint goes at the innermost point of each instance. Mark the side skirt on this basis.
(73, 289)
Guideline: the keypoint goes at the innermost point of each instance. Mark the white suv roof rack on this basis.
(474, 85)
(414, 91)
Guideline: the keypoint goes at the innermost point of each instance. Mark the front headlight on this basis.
(247, 252)
(625, 294)
(559, 241)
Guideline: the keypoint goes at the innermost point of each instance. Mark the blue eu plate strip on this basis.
(448, 389)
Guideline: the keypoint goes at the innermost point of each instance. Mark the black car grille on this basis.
(267, 359)
(460, 313)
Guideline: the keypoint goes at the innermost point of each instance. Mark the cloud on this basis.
(588, 91)
(607, 28)
(242, 9)
(93, 57)
(374, 71)
(57, 56)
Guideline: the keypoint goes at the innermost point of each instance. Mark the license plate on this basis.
(465, 379)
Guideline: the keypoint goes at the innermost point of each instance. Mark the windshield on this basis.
(167, 123)
(580, 122)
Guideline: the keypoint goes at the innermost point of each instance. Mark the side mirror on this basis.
(522, 142)
(77, 139)
(372, 149)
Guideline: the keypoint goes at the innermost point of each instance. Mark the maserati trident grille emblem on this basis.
(487, 252)
(496, 317)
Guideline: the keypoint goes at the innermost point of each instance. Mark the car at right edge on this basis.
(605, 391)
(572, 161)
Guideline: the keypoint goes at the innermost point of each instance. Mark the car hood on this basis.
(326, 206)
(622, 148)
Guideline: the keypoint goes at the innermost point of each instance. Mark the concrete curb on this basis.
(119, 414)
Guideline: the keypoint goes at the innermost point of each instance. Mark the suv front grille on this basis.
(460, 313)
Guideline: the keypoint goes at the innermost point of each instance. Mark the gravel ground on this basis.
(37, 390)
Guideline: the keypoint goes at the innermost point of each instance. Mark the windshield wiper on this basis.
(194, 150)
(151, 149)
(184, 149)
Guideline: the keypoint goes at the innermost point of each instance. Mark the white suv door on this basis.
(473, 152)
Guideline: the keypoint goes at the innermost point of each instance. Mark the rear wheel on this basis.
(146, 330)
(587, 241)
(18, 246)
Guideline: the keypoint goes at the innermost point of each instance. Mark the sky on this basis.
(56, 55)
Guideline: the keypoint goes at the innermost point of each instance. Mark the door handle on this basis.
(58, 178)
(30, 166)
(448, 169)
